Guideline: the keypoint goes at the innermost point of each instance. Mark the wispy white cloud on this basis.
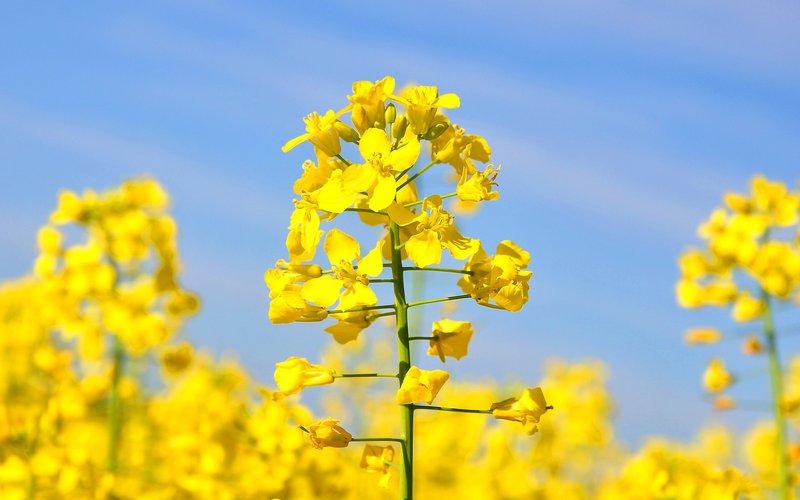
(203, 187)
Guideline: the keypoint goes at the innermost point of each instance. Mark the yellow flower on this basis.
(176, 359)
(747, 308)
(526, 409)
(70, 208)
(378, 459)
(717, 378)
(422, 102)
(287, 304)
(376, 176)
(304, 233)
(49, 240)
(296, 373)
(703, 335)
(432, 230)
(458, 149)
(421, 385)
(478, 186)
(499, 281)
(144, 193)
(321, 132)
(450, 338)
(328, 433)
(350, 325)
(368, 101)
(774, 200)
(342, 249)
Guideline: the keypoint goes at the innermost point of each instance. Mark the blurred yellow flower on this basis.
(705, 335)
(378, 459)
(717, 378)
(747, 308)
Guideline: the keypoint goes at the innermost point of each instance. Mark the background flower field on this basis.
(619, 131)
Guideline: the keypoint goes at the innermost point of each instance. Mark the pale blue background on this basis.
(619, 126)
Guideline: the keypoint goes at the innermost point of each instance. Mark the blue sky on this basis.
(619, 126)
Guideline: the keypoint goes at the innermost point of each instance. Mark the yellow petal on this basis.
(340, 246)
(400, 214)
(404, 156)
(336, 195)
(374, 141)
(323, 291)
(372, 263)
(358, 295)
(291, 144)
(383, 193)
(344, 332)
(357, 178)
(448, 101)
(460, 247)
(424, 248)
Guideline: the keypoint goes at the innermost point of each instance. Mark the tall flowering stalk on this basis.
(378, 182)
(750, 262)
(120, 284)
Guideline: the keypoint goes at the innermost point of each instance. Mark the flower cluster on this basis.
(123, 277)
(386, 137)
(750, 262)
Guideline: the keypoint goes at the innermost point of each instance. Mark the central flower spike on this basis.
(526, 409)
(421, 386)
(342, 249)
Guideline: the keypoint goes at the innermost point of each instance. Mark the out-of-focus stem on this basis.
(404, 363)
(776, 383)
(115, 405)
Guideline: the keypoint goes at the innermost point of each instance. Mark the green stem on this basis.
(423, 338)
(360, 309)
(387, 280)
(115, 405)
(440, 299)
(404, 363)
(364, 375)
(397, 440)
(776, 379)
(346, 161)
(376, 316)
(455, 410)
(420, 202)
(438, 270)
(364, 210)
(422, 171)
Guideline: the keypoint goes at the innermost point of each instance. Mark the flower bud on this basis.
(346, 132)
(390, 114)
(400, 126)
(435, 131)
